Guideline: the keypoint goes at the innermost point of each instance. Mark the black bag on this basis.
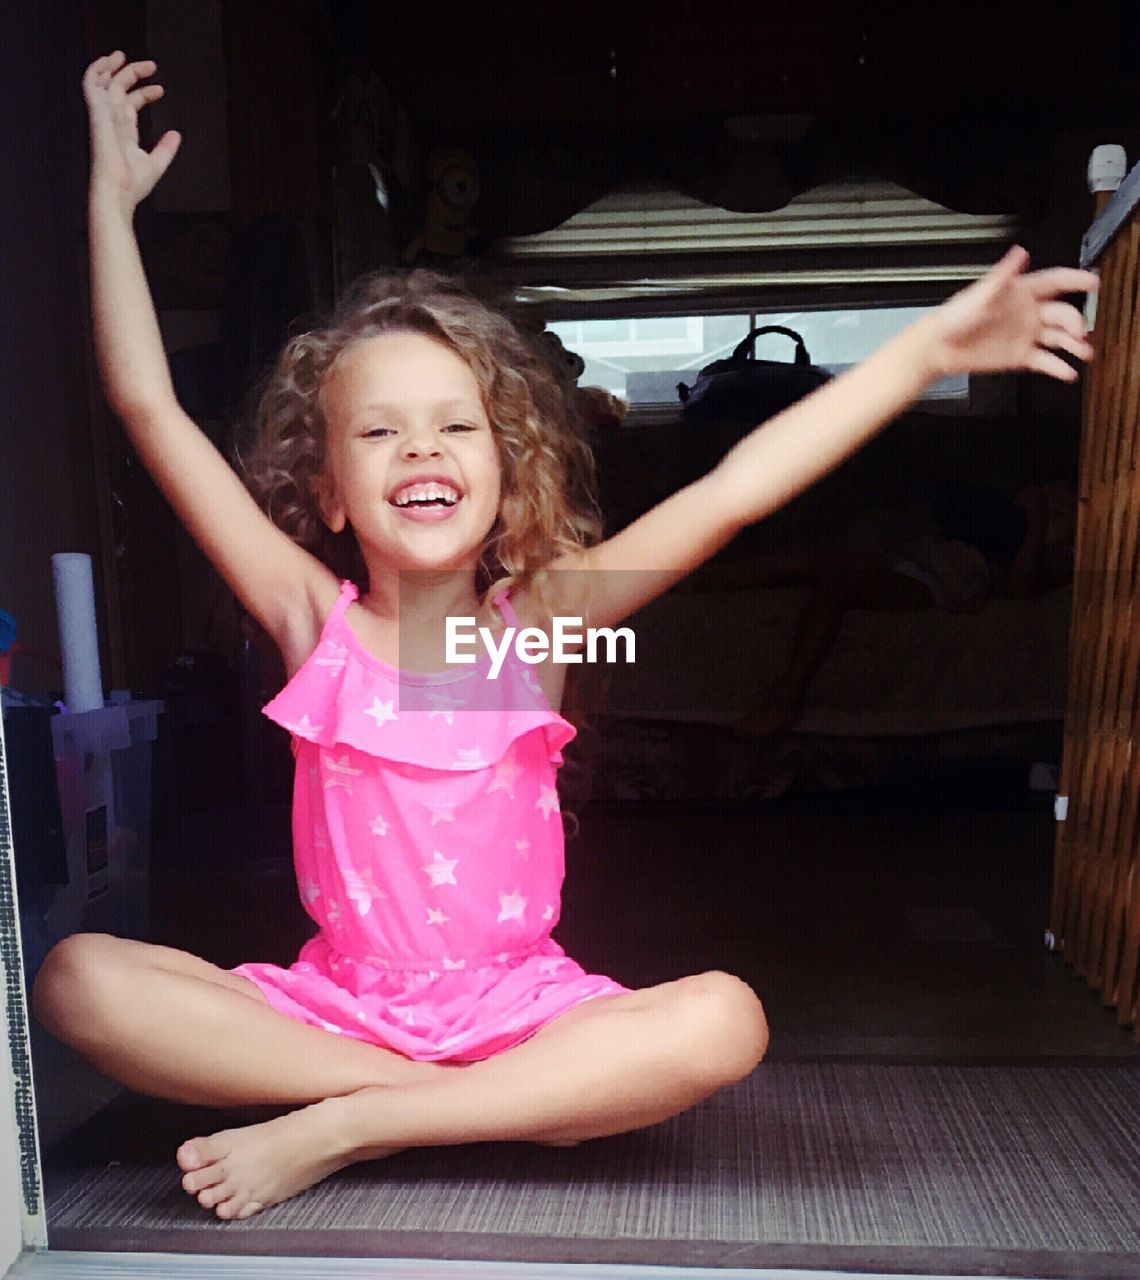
(743, 387)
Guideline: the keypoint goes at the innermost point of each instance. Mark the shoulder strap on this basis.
(506, 608)
(348, 593)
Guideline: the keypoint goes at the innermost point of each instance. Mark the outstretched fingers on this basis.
(107, 65)
(1066, 340)
(149, 93)
(1054, 281)
(126, 77)
(1063, 329)
(116, 94)
(1048, 283)
(165, 149)
(1063, 315)
(1053, 366)
(1012, 319)
(98, 74)
(1042, 361)
(114, 74)
(1012, 263)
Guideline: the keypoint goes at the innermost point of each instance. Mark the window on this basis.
(643, 359)
(874, 254)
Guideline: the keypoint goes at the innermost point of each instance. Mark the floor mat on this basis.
(971, 1170)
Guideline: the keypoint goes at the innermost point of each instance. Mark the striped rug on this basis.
(929, 1169)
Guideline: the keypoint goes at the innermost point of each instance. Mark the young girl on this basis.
(433, 1006)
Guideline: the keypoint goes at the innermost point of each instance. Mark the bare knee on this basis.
(74, 974)
(726, 1021)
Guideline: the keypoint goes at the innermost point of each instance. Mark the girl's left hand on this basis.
(1009, 319)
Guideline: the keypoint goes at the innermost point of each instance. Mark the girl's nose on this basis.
(421, 443)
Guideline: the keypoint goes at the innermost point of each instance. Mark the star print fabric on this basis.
(428, 849)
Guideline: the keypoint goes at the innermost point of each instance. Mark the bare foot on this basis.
(239, 1172)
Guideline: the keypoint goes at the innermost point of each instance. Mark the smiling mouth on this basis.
(425, 497)
(424, 503)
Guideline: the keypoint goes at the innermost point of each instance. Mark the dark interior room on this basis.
(869, 752)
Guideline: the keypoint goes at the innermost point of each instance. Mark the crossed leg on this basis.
(612, 1064)
(170, 1025)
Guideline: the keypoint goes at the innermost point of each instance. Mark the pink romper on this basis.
(428, 848)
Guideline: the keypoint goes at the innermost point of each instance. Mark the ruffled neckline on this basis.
(343, 695)
(397, 674)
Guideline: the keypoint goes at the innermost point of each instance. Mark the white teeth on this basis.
(426, 493)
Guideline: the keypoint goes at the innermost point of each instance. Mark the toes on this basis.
(234, 1208)
(216, 1195)
(199, 1179)
(199, 1152)
(188, 1157)
(227, 1202)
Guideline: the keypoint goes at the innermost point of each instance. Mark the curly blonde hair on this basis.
(547, 507)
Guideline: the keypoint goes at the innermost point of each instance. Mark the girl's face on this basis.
(412, 462)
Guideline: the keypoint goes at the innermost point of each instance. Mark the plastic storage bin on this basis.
(103, 764)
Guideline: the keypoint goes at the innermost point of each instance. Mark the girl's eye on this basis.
(380, 432)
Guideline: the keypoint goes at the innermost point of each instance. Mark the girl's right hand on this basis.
(118, 164)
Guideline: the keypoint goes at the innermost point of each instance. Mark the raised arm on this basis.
(271, 575)
(127, 341)
(1006, 320)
